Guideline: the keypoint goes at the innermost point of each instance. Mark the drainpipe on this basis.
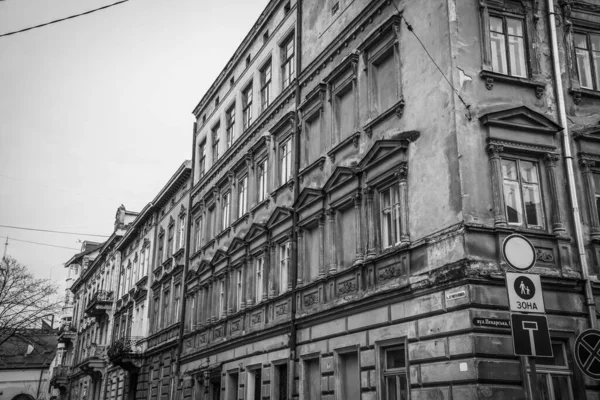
(568, 157)
(37, 396)
(186, 264)
(293, 327)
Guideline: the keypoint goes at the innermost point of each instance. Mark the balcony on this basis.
(93, 360)
(127, 352)
(100, 304)
(67, 333)
(60, 377)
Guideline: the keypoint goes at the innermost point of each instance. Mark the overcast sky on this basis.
(96, 111)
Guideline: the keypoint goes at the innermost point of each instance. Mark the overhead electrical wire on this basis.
(52, 231)
(64, 19)
(41, 244)
(411, 29)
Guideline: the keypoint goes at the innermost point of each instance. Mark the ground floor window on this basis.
(554, 377)
(393, 367)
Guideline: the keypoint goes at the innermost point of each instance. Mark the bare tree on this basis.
(24, 299)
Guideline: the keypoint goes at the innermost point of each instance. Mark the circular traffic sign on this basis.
(518, 252)
(587, 353)
(524, 287)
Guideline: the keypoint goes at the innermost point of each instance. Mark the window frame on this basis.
(594, 69)
(266, 85)
(242, 191)
(381, 370)
(202, 159)
(230, 125)
(259, 278)
(504, 16)
(285, 156)
(533, 160)
(288, 67)
(215, 141)
(262, 179)
(247, 99)
(394, 207)
(283, 267)
(225, 209)
(198, 233)
(339, 355)
(545, 371)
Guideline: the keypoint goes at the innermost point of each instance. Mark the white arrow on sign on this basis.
(525, 292)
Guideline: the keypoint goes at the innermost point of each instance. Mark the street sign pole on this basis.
(534, 379)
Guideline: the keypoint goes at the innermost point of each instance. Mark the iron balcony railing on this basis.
(125, 347)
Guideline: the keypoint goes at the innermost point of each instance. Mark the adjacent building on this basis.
(355, 169)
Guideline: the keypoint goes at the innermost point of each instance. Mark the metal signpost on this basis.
(587, 353)
(530, 332)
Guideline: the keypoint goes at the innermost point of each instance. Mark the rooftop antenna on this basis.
(5, 248)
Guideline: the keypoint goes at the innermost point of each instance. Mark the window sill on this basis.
(579, 93)
(240, 220)
(490, 77)
(207, 245)
(257, 207)
(352, 139)
(397, 109)
(223, 233)
(319, 163)
(289, 184)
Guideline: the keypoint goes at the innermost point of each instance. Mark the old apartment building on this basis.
(355, 168)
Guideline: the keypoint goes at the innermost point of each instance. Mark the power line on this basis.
(63, 19)
(51, 231)
(42, 244)
(410, 28)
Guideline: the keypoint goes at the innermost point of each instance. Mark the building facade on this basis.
(337, 235)
(347, 227)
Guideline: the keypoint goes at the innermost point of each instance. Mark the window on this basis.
(265, 36)
(382, 70)
(287, 61)
(171, 232)
(161, 245)
(202, 159)
(247, 106)
(147, 257)
(230, 121)
(507, 44)
(311, 382)
(265, 86)
(242, 196)
(390, 216)
(393, 373)
(239, 286)
(198, 233)
(225, 210)
(166, 310)
(284, 262)
(262, 180)
(216, 101)
(143, 263)
(587, 51)
(522, 194)
(344, 112)
(254, 384)
(176, 296)
(232, 386)
(221, 298)
(596, 178)
(285, 161)
(554, 378)
(215, 143)
(280, 388)
(258, 290)
(181, 235)
(348, 377)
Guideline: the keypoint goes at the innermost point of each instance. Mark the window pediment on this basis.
(284, 126)
(521, 118)
(219, 256)
(255, 231)
(381, 150)
(307, 197)
(348, 64)
(340, 176)
(279, 215)
(236, 244)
